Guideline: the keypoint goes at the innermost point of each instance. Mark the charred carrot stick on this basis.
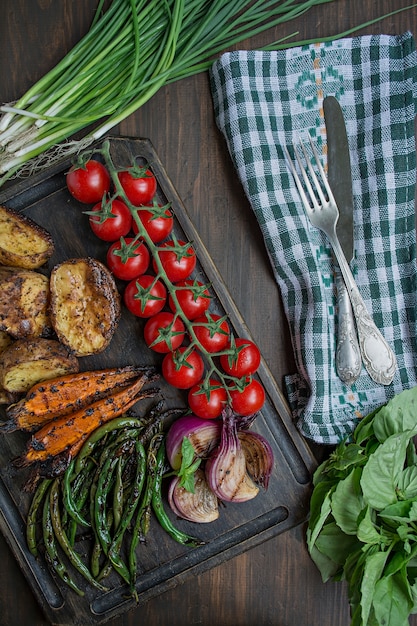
(63, 395)
(74, 450)
(65, 433)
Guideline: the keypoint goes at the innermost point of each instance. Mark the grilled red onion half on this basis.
(259, 456)
(200, 506)
(225, 469)
(203, 435)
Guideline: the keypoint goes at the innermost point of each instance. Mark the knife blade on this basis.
(348, 358)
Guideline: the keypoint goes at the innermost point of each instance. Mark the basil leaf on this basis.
(187, 452)
(392, 601)
(347, 502)
(372, 572)
(326, 566)
(407, 483)
(333, 543)
(367, 532)
(381, 473)
(321, 513)
(397, 416)
(403, 512)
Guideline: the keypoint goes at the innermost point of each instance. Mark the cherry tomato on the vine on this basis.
(207, 399)
(193, 298)
(178, 259)
(139, 185)
(164, 332)
(127, 259)
(157, 220)
(112, 220)
(88, 183)
(212, 331)
(245, 362)
(250, 400)
(145, 296)
(183, 371)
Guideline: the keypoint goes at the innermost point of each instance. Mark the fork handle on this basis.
(348, 356)
(377, 355)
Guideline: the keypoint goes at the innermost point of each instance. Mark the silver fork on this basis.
(321, 209)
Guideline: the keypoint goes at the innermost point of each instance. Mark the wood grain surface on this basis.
(274, 584)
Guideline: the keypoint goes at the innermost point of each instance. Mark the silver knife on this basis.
(348, 357)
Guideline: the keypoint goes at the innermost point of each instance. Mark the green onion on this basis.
(131, 50)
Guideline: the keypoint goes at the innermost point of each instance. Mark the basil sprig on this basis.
(363, 515)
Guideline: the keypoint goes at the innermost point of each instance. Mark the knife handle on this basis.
(348, 356)
(377, 356)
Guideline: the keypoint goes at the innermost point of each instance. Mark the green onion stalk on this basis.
(131, 50)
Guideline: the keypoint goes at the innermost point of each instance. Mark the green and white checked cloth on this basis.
(263, 100)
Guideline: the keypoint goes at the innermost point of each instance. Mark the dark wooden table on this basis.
(275, 583)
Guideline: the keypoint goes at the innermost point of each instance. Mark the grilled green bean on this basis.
(31, 524)
(62, 539)
(52, 548)
(142, 522)
(114, 549)
(115, 424)
(100, 500)
(118, 494)
(68, 495)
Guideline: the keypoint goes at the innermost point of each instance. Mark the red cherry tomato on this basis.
(139, 185)
(158, 222)
(193, 301)
(180, 371)
(207, 400)
(163, 332)
(90, 183)
(113, 220)
(214, 336)
(247, 361)
(178, 260)
(145, 296)
(126, 261)
(250, 400)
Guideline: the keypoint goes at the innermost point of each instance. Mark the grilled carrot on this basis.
(63, 395)
(64, 433)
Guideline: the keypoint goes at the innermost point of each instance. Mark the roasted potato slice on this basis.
(24, 302)
(23, 243)
(5, 341)
(85, 305)
(29, 361)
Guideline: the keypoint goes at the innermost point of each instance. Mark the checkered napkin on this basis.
(264, 100)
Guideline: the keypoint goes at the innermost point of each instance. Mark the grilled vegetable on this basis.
(24, 299)
(5, 341)
(23, 243)
(28, 361)
(65, 394)
(85, 305)
(61, 435)
(131, 51)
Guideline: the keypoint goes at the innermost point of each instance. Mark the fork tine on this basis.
(298, 182)
(322, 172)
(311, 192)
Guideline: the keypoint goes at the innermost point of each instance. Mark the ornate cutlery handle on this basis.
(348, 357)
(377, 356)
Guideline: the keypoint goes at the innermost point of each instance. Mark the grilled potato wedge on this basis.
(23, 243)
(28, 361)
(5, 341)
(24, 302)
(85, 305)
